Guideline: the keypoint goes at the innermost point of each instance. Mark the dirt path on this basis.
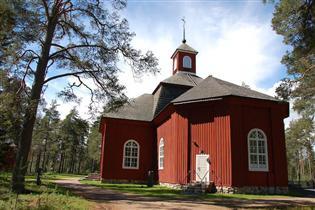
(109, 199)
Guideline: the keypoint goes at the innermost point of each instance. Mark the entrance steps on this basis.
(195, 188)
(199, 188)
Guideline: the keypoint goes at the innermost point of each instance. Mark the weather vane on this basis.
(184, 22)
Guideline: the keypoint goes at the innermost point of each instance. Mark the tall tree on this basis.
(295, 21)
(300, 140)
(94, 146)
(79, 39)
(74, 131)
(45, 136)
(12, 107)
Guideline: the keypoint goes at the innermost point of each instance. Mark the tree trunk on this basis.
(24, 144)
(31, 165)
(44, 156)
(60, 163)
(38, 160)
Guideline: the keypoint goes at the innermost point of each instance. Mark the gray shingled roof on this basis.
(183, 78)
(212, 87)
(139, 108)
(146, 106)
(165, 94)
(186, 48)
(181, 87)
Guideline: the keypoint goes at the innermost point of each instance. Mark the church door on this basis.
(202, 168)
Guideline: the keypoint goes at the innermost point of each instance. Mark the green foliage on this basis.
(49, 40)
(67, 145)
(12, 107)
(94, 146)
(295, 21)
(46, 197)
(300, 140)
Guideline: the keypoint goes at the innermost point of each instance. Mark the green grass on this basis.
(48, 196)
(156, 191)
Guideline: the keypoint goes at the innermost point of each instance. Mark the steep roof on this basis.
(146, 106)
(181, 88)
(183, 78)
(212, 87)
(185, 48)
(139, 108)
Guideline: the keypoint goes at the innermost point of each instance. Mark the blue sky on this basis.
(234, 39)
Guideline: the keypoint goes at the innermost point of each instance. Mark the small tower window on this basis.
(187, 62)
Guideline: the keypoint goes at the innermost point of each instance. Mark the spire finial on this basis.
(184, 22)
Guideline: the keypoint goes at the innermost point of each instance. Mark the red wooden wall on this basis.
(117, 133)
(179, 57)
(210, 130)
(218, 128)
(247, 114)
(174, 131)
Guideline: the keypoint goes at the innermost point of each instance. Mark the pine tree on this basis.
(64, 38)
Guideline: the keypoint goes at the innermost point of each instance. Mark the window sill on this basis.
(259, 169)
(133, 168)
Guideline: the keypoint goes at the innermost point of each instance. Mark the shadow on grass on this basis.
(31, 186)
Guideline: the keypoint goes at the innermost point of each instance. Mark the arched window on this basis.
(131, 154)
(161, 154)
(187, 62)
(257, 150)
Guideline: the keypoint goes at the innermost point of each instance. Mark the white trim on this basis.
(187, 60)
(161, 141)
(250, 167)
(138, 155)
(207, 175)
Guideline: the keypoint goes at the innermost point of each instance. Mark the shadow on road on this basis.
(101, 195)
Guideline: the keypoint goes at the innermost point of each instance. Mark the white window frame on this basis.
(124, 156)
(187, 62)
(161, 143)
(257, 167)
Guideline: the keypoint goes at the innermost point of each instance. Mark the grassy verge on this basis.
(48, 196)
(165, 192)
(156, 191)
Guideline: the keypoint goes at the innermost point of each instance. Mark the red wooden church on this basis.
(197, 130)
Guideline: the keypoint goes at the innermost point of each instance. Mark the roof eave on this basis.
(197, 100)
(187, 51)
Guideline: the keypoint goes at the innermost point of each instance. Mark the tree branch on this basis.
(46, 8)
(63, 49)
(68, 74)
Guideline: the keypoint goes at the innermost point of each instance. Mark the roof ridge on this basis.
(215, 80)
(243, 87)
(191, 79)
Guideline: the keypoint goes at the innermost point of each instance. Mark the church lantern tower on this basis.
(184, 57)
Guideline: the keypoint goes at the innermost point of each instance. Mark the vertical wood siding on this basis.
(174, 133)
(117, 133)
(210, 134)
(249, 114)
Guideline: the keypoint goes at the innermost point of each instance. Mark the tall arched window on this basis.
(161, 154)
(131, 154)
(257, 150)
(187, 62)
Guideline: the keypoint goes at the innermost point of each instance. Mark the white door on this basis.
(202, 168)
